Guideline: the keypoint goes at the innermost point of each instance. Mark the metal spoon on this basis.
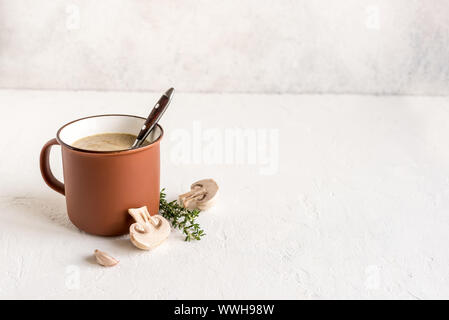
(154, 117)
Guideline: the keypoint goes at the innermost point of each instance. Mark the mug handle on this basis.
(48, 176)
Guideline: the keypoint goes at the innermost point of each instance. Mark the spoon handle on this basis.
(154, 117)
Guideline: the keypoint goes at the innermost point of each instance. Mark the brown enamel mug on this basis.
(101, 186)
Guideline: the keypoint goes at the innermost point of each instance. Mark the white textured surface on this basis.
(311, 46)
(358, 209)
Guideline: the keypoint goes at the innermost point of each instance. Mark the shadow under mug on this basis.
(101, 186)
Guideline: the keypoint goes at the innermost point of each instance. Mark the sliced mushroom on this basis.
(203, 195)
(148, 232)
(105, 259)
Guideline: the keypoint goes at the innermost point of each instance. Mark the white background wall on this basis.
(271, 46)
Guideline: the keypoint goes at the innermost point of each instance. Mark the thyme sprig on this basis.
(181, 218)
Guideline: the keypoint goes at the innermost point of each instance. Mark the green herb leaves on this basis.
(181, 218)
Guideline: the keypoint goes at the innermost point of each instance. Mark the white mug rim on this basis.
(69, 146)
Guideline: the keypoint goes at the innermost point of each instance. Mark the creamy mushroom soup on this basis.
(107, 142)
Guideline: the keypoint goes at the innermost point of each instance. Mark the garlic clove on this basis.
(105, 259)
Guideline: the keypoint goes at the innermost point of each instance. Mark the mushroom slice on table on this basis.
(203, 195)
(149, 231)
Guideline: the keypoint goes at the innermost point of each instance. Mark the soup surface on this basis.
(107, 142)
